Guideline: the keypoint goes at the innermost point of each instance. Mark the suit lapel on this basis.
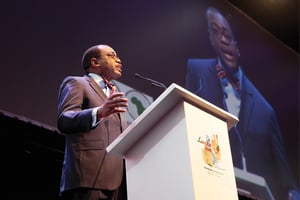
(214, 84)
(246, 107)
(96, 87)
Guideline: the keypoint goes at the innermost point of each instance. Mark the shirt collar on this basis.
(237, 74)
(98, 79)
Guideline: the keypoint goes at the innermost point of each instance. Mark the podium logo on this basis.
(211, 153)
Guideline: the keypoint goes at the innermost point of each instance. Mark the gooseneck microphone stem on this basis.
(152, 82)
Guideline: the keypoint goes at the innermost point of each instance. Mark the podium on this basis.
(178, 148)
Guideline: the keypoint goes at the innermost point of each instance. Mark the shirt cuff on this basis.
(94, 118)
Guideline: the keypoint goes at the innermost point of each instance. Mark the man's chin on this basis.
(117, 75)
(231, 67)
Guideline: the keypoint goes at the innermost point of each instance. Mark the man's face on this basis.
(111, 67)
(222, 40)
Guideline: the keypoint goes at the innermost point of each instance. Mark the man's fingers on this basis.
(116, 95)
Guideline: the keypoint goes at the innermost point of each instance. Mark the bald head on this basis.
(92, 52)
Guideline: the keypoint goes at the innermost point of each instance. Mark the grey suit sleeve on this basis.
(72, 117)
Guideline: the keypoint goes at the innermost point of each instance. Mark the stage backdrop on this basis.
(43, 41)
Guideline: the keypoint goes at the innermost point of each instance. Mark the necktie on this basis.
(102, 84)
(107, 86)
(104, 87)
(233, 81)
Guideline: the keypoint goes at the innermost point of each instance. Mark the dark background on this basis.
(42, 42)
(279, 17)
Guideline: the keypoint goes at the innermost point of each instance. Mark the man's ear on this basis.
(95, 62)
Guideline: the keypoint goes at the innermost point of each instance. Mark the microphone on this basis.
(153, 82)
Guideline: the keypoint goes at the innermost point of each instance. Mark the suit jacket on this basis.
(86, 162)
(257, 133)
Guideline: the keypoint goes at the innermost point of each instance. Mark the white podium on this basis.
(178, 149)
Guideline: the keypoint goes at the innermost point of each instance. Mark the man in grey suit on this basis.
(91, 116)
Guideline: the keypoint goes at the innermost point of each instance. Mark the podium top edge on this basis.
(168, 99)
(195, 99)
